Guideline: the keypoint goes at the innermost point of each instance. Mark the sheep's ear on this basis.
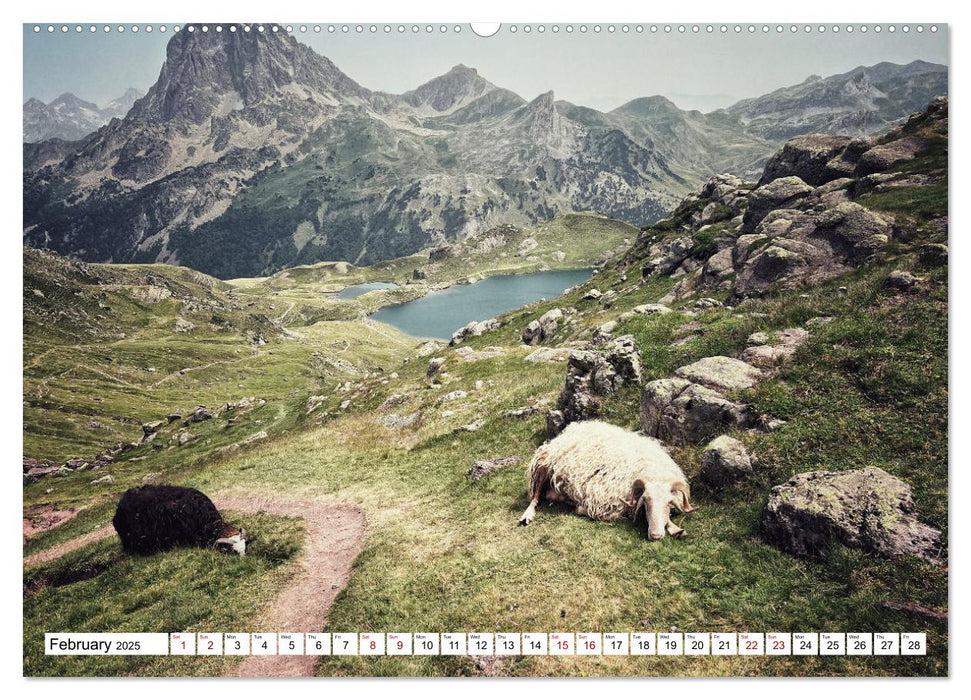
(681, 492)
(242, 533)
(640, 507)
(636, 493)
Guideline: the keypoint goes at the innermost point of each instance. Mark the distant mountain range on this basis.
(252, 153)
(70, 118)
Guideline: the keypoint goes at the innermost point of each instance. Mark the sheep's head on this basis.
(655, 500)
(234, 543)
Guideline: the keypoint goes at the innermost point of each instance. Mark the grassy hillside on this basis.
(442, 553)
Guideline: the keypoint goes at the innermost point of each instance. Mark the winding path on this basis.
(335, 536)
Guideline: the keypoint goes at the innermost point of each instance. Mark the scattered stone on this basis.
(152, 478)
(592, 295)
(651, 309)
(473, 330)
(149, 429)
(455, 395)
(542, 328)
(183, 326)
(706, 303)
(725, 461)
(769, 356)
(775, 424)
(172, 417)
(758, 338)
(185, 437)
(315, 402)
(602, 333)
(484, 467)
(819, 321)
(864, 508)
(429, 348)
(262, 435)
(434, 366)
(396, 422)
(721, 373)
(548, 355)
(470, 427)
(901, 280)
(106, 479)
(198, 415)
(679, 411)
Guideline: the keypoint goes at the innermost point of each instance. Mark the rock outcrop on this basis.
(592, 375)
(542, 328)
(679, 411)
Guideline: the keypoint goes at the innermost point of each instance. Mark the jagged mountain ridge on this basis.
(70, 118)
(862, 101)
(252, 153)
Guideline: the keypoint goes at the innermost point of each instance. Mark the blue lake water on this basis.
(356, 290)
(438, 314)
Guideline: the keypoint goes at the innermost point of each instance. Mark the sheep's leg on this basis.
(674, 530)
(539, 484)
(527, 517)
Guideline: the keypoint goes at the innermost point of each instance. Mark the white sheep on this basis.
(609, 473)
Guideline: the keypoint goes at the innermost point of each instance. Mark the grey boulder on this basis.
(864, 508)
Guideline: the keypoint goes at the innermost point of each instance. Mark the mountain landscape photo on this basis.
(364, 322)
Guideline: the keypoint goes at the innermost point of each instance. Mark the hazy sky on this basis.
(601, 70)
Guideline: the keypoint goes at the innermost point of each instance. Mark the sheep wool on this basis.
(155, 518)
(605, 471)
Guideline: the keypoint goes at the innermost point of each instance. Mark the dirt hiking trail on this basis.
(334, 537)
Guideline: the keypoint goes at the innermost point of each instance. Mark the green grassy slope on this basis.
(442, 554)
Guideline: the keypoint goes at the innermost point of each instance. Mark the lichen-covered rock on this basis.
(721, 373)
(725, 461)
(864, 508)
(880, 158)
(603, 332)
(592, 375)
(807, 248)
(679, 411)
(779, 194)
(807, 157)
(667, 256)
(548, 355)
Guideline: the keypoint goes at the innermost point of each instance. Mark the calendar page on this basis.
(516, 349)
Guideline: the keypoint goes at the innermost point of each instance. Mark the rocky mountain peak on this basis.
(208, 72)
(653, 104)
(446, 93)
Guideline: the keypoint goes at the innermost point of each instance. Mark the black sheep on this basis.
(156, 518)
